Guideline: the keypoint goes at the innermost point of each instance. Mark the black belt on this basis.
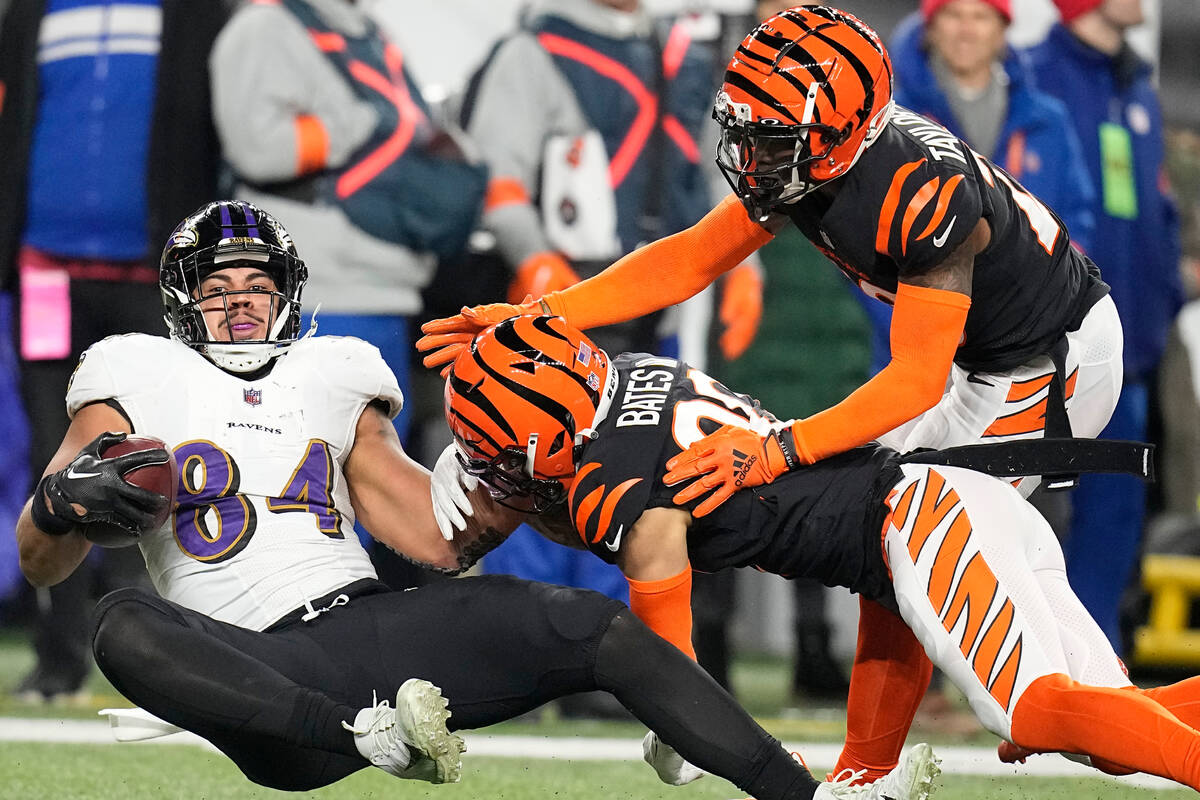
(1055, 459)
(358, 588)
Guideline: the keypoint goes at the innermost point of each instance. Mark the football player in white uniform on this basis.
(271, 635)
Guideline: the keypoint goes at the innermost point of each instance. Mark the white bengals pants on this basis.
(1002, 406)
(980, 579)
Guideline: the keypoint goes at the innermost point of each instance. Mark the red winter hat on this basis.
(931, 7)
(1070, 9)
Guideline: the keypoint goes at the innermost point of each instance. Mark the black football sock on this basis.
(674, 697)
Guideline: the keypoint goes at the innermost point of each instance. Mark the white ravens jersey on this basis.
(264, 522)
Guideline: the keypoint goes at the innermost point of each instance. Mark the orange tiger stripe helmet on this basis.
(521, 401)
(804, 95)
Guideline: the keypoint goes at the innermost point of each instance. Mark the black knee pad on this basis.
(121, 624)
(578, 614)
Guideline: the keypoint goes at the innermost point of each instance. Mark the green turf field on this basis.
(150, 772)
(34, 770)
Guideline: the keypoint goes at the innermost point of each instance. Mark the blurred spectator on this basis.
(954, 65)
(592, 118)
(1086, 63)
(322, 123)
(107, 140)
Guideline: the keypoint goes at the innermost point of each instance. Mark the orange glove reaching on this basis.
(741, 309)
(730, 458)
(445, 338)
(541, 274)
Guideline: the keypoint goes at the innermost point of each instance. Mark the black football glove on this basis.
(94, 489)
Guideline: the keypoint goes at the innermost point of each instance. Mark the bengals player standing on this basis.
(549, 425)
(1000, 329)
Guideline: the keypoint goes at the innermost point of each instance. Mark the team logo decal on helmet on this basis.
(804, 95)
(521, 401)
(218, 236)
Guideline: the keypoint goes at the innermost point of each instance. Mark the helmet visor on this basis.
(769, 165)
(510, 486)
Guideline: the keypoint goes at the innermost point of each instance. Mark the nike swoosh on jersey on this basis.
(973, 378)
(616, 542)
(938, 241)
(71, 473)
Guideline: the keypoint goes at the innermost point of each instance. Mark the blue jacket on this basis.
(1037, 144)
(1138, 253)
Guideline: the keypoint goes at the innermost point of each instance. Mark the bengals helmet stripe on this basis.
(755, 91)
(485, 406)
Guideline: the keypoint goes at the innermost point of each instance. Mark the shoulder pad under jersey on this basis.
(352, 364)
(920, 185)
(122, 365)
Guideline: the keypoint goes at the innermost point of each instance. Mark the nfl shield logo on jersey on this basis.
(253, 397)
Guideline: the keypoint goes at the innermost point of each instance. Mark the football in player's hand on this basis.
(159, 478)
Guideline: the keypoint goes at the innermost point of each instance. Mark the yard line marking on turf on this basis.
(820, 755)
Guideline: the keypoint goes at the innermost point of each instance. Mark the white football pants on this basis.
(980, 579)
(1002, 406)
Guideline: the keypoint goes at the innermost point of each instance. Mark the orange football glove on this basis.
(445, 338)
(741, 309)
(730, 458)
(541, 274)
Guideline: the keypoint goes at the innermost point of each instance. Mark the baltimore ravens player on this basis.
(1000, 329)
(550, 426)
(271, 634)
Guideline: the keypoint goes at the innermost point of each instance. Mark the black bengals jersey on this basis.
(822, 521)
(913, 197)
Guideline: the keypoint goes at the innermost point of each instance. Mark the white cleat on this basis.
(912, 779)
(671, 767)
(411, 740)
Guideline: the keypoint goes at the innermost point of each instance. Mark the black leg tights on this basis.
(674, 697)
(279, 733)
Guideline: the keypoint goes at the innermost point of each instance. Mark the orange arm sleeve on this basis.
(927, 326)
(666, 607)
(664, 272)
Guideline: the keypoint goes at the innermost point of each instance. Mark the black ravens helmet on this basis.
(221, 235)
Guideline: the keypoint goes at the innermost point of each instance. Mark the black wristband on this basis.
(787, 445)
(43, 518)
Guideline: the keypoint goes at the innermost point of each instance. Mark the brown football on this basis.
(160, 478)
